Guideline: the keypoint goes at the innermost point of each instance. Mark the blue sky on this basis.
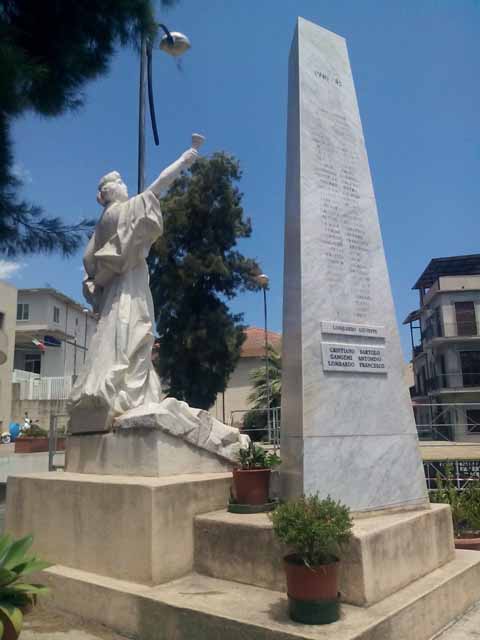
(416, 66)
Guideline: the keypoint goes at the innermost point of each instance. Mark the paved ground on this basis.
(45, 625)
(467, 628)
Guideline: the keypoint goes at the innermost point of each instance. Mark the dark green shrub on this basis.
(314, 529)
(255, 425)
(471, 506)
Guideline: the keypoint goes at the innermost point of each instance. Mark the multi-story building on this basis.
(8, 307)
(445, 332)
(52, 333)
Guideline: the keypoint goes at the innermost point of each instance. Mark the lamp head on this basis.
(179, 45)
(263, 280)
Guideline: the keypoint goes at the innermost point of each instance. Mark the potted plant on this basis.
(465, 507)
(470, 533)
(35, 440)
(315, 531)
(16, 596)
(251, 480)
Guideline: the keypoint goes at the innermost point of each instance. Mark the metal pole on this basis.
(85, 342)
(141, 116)
(267, 369)
(51, 442)
(75, 355)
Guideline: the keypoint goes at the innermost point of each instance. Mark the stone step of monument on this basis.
(203, 608)
(387, 551)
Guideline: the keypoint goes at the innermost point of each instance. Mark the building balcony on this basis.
(417, 350)
(451, 330)
(3, 347)
(453, 382)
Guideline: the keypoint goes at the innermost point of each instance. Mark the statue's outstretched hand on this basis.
(189, 157)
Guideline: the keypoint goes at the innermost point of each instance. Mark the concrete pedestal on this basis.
(386, 552)
(139, 452)
(132, 528)
(161, 559)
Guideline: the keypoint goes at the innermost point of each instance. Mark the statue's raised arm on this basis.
(169, 174)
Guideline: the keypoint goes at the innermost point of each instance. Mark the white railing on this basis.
(34, 387)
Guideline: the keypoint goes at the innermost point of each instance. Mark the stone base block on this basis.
(387, 552)
(132, 528)
(139, 452)
(210, 609)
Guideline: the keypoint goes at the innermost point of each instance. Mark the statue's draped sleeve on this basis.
(118, 247)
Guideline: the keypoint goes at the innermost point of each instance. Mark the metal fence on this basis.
(461, 471)
(448, 422)
(34, 387)
(262, 425)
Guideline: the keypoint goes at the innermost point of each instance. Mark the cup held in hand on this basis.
(197, 140)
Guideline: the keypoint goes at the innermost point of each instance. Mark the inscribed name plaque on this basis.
(346, 434)
(348, 329)
(353, 358)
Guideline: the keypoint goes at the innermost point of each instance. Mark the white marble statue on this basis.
(118, 374)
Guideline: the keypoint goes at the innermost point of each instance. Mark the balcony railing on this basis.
(453, 381)
(34, 387)
(450, 330)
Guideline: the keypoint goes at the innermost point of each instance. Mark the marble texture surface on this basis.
(195, 426)
(349, 434)
(118, 374)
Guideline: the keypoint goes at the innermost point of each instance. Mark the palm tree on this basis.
(255, 420)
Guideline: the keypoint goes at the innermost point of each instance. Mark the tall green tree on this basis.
(49, 50)
(195, 268)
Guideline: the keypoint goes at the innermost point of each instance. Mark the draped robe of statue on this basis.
(118, 374)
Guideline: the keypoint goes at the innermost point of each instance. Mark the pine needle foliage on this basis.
(49, 50)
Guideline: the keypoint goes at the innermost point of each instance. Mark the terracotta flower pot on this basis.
(311, 583)
(27, 444)
(312, 591)
(472, 543)
(251, 486)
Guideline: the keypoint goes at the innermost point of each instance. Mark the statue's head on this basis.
(111, 188)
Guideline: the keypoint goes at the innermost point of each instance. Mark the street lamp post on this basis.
(175, 44)
(263, 280)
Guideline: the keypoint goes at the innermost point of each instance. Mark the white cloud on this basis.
(22, 173)
(9, 268)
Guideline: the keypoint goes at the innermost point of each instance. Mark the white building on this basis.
(233, 404)
(446, 349)
(8, 305)
(52, 333)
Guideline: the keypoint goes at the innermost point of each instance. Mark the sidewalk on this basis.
(467, 628)
(42, 624)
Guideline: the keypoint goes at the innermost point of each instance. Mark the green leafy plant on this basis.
(256, 457)
(464, 503)
(447, 493)
(315, 529)
(15, 594)
(34, 432)
(471, 506)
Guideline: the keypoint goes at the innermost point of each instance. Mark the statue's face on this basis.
(121, 191)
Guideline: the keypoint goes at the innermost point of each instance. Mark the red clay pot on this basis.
(468, 543)
(27, 444)
(310, 583)
(251, 486)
